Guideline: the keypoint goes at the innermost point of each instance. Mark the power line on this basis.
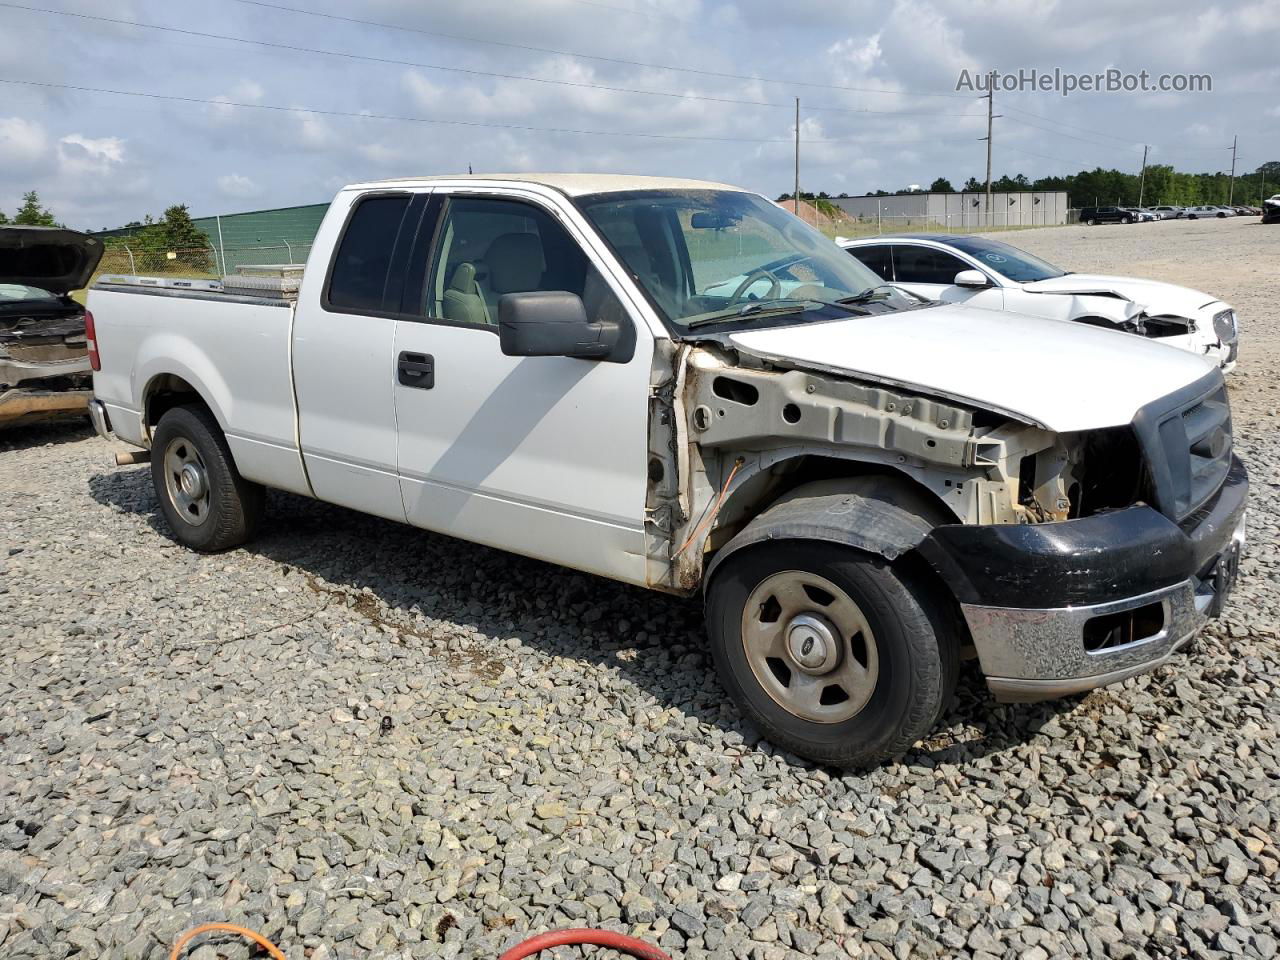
(1059, 133)
(596, 57)
(1063, 123)
(294, 48)
(1084, 164)
(1101, 133)
(639, 13)
(359, 115)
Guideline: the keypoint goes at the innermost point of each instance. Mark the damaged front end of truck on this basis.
(1075, 557)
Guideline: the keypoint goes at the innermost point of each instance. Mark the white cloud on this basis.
(78, 154)
(243, 91)
(238, 186)
(23, 143)
(860, 56)
(199, 155)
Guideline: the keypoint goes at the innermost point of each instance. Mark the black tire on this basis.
(233, 506)
(1091, 222)
(914, 637)
(1126, 219)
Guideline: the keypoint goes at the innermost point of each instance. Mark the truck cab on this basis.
(679, 385)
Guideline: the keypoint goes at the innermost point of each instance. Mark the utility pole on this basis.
(990, 116)
(1231, 190)
(795, 197)
(1142, 180)
(991, 91)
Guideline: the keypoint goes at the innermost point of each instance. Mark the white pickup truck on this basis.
(862, 486)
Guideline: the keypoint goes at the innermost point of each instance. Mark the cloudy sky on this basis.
(877, 83)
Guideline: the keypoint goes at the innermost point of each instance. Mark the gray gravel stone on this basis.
(187, 738)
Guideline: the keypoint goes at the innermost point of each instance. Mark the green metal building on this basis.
(282, 235)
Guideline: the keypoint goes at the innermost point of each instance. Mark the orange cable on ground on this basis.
(257, 938)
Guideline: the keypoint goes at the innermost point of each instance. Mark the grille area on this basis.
(1191, 453)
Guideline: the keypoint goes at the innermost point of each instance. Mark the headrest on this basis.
(464, 278)
(515, 262)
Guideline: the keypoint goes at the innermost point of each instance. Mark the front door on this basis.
(545, 456)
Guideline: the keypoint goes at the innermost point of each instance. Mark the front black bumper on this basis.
(1056, 608)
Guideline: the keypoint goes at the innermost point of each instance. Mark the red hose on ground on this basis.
(599, 938)
(526, 948)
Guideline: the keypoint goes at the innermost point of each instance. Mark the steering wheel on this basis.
(775, 285)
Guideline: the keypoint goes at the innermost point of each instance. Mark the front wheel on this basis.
(208, 505)
(832, 653)
(1092, 222)
(1126, 219)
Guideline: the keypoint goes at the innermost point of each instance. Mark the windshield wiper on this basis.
(755, 308)
(867, 295)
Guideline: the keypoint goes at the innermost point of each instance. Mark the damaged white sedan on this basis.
(987, 273)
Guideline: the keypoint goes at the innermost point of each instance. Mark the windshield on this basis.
(1017, 265)
(14, 292)
(709, 256)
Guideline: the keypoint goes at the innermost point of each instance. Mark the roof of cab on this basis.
(572, 184)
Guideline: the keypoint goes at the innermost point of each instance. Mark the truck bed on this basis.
(231, 348)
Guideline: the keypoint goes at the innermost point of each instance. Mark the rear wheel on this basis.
(1092, 222)
(834, 654)
(206, 502)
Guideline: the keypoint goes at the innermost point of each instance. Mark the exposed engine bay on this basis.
(746, 431)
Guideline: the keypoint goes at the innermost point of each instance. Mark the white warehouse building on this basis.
(958, 211)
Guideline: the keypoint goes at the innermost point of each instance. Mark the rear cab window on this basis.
(361, 278)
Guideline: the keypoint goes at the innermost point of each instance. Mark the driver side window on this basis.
(491, 247)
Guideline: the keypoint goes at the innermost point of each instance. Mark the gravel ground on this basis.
(367, 741)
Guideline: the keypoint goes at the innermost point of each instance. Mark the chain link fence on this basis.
(211, 262)
(971, 223)
(122, 257)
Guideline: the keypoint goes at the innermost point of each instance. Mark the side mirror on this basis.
(972, 278)
(552, 323)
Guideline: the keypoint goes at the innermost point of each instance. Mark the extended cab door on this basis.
(544, 456)
(930, 273)
(344, 337)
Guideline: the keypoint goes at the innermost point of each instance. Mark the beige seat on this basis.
(462, 301)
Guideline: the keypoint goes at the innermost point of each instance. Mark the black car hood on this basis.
(51, 258)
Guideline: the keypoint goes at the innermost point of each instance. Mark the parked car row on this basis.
(1118, 214)
(679, 385)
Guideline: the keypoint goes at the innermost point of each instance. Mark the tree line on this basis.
(31, 214)
(1162, 184)
(151, 240)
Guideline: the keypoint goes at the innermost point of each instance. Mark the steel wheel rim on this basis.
(810, 646)
(186, 481)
